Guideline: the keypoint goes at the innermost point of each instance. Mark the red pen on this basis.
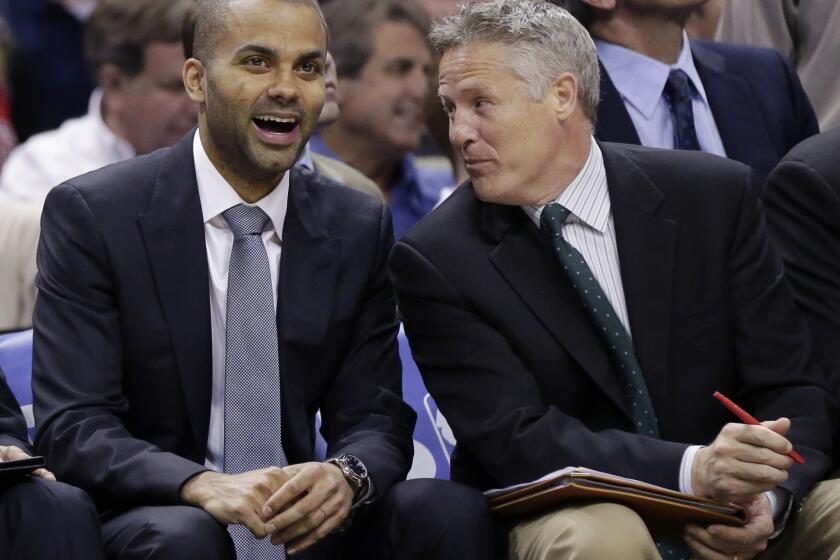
(746, 418)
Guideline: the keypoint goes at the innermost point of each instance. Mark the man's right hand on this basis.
(235, 498)
(743, 461)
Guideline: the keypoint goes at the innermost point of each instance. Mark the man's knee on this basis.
(577, 532)
(451, 517)
(167, 533)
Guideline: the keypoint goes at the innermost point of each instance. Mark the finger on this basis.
(306, 506)
(13, 453)
(253, 522)
(762, 456)
(757, 474)
(313, 520)
(324, 529)
(43, 473)
(301, 482)
(703, 551)
(780, 426)
(762, 436)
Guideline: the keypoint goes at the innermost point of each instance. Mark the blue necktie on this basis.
(678, 95)
(616, 337)
(252, 367)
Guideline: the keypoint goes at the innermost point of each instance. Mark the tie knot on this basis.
(245, 220)
(678, 86)
(552, 219)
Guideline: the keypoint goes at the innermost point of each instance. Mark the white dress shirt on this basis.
(591, 230)
(48, 159)
(640, 80)
(216, 196)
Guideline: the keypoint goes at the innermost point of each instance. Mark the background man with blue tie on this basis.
(197, 306)
(620, 286)
(661, 90)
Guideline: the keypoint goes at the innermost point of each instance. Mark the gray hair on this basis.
(549, 41)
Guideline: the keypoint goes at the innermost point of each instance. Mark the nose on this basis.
(418, 83)
(462, 133)
(283, 87)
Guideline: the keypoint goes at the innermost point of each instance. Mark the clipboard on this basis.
(665, 511)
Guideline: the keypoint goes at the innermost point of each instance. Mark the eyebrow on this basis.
(259, 49)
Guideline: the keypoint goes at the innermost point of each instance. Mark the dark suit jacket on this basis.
(122, 343)
(524, 379)
(12, 424)
(802, 203)
(759, 106)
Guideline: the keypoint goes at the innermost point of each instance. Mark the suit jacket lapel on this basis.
(522, 258)
(308, 274)
(646, 245)
(736, 113)
(173, 229)
(614, 123)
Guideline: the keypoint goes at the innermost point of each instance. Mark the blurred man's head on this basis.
(383, 62)
(519, 80)
(256, 70)
(134, 50)
(586, 11)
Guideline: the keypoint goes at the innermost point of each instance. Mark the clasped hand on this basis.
(298, 505)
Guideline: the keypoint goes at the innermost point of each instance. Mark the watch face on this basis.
(355, 466)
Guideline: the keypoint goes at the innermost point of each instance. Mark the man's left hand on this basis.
(309, 506)
(12, 453)
(724, 542)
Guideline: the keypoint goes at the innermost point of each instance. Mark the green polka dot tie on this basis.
(615, 336)
(603, 315)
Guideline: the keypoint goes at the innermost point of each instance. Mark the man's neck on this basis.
(651, 34)
(372, 161)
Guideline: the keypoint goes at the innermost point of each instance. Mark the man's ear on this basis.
(600, 4)
(565, 91)
(194, 80)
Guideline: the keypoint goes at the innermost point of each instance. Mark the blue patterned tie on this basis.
(252, 367)
(678, 95)
(615, 336)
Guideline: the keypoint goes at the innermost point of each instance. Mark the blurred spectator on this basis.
(383, 63)
(661, 90)
(440, 8)
(49, 80)
(134, 48)
(805, 32)
(7, 133)
(329, 167)
(19, 230)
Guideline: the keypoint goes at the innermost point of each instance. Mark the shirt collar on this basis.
(217, 195)
(121, 149)
(587, 196)
(305, 160)
(641, 79)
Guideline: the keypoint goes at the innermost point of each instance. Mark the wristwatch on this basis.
(354, 471)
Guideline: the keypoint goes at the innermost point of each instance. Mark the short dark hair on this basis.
(352, 24)
(119, 31)
(204, 24)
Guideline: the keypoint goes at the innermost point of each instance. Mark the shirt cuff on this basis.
(685, 469)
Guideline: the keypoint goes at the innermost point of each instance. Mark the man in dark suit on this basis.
(38, 504)
(742, 102)
(600, 342)
(179, 361)
(802, 203)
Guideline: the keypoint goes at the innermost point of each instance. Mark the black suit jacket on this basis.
(12, 423)
(802, 203)
(516, 366)
(759, 106)
(122, 343)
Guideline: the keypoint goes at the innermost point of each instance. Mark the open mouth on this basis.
(276, 125)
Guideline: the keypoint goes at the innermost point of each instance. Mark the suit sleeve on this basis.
(77, 374)
(363, 412)
(804, 122)
(492, 401)
(12, 423)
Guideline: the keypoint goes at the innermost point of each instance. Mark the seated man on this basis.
(383, 62)
(618, 288)
(661, 90)
(40, 519)
(134, 48)
(802, 203)
(198, 306)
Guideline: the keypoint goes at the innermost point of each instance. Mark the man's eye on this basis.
(256, 62)
(479, 103)
(311, 68)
